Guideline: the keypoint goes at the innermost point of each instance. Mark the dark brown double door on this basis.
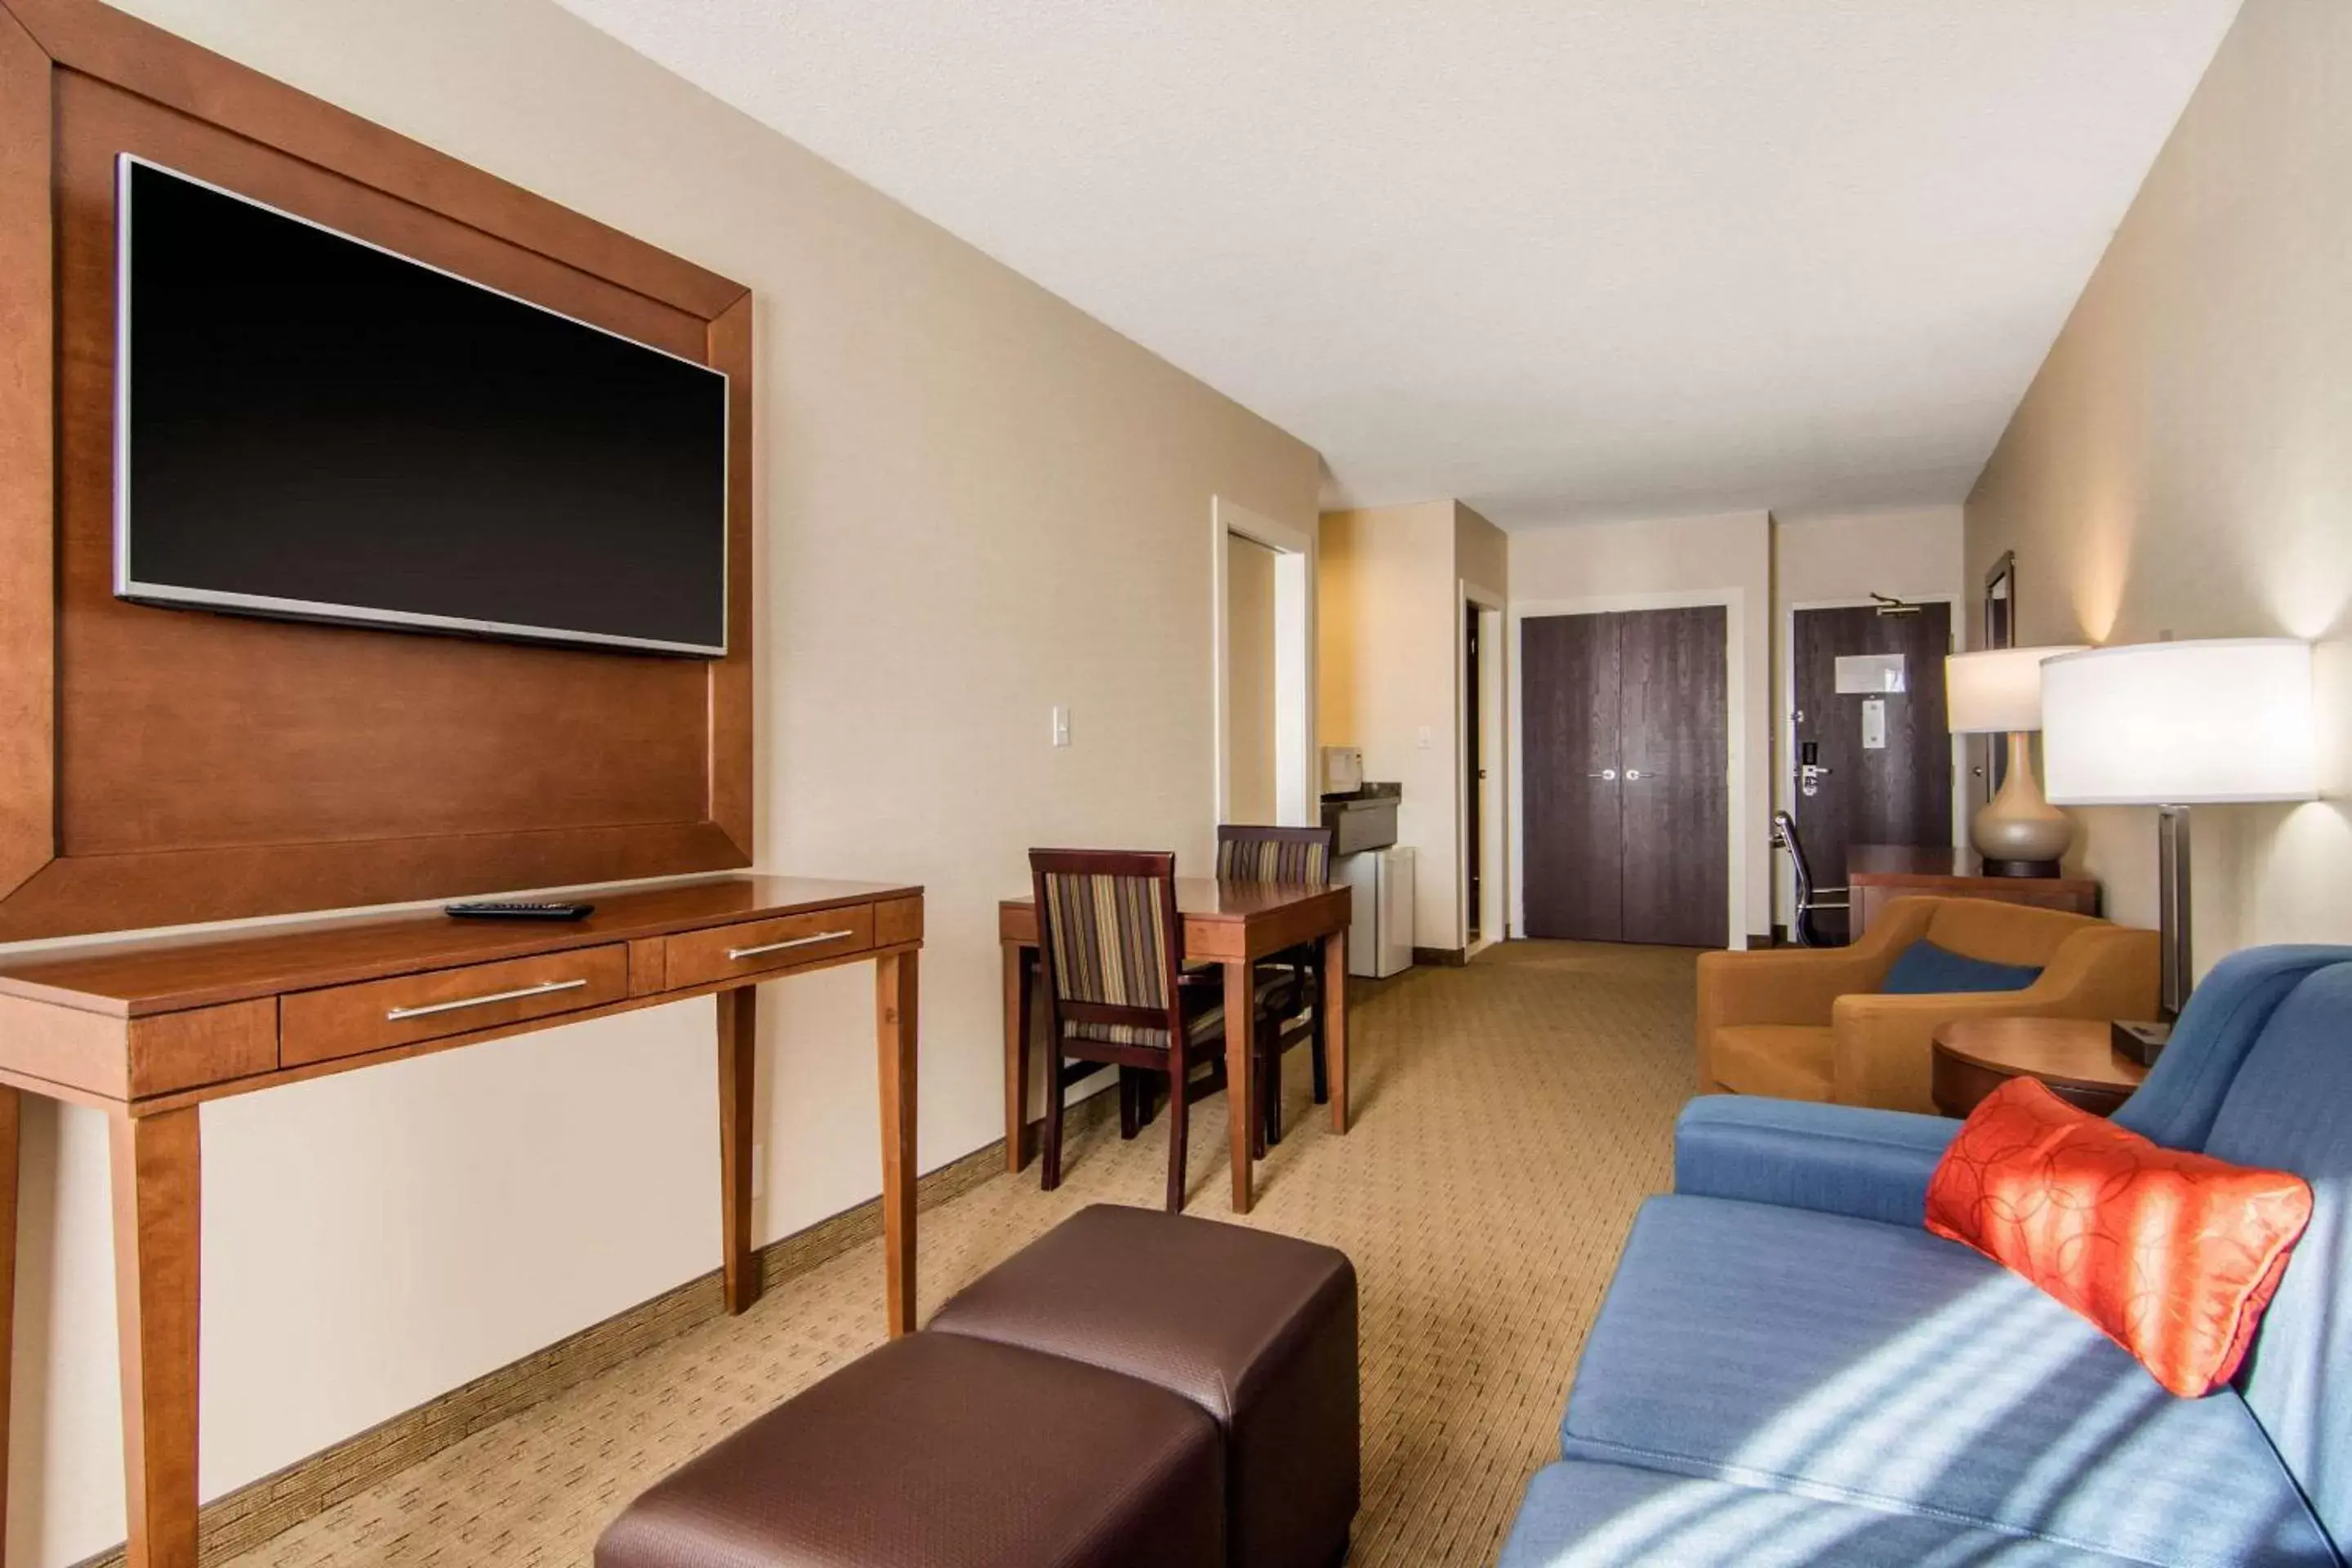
(1628, 794)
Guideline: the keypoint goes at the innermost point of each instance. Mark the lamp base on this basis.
(2142, 1043)
(2021, 868)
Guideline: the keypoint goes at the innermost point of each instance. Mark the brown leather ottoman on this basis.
(938, 1451)
(1259, 1330)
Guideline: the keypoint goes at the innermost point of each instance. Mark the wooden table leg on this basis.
(895, 986)
(1241, 1020)
(738, 1016)
(1335, 1023)
(11, 1131)
(158, 1179)
(1018, 968)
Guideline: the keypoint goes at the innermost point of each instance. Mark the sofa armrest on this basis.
(1838, 1158)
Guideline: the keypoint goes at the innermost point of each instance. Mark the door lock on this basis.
(1809, 779)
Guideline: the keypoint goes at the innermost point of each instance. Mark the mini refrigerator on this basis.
(1379, 931)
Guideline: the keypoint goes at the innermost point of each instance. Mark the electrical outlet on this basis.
(759, 1171)
(1061, 725)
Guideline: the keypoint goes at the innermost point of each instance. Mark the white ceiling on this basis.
(1565, 259)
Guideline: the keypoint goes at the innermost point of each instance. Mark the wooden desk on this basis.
(148, 1031)
(2076, 1056)
(1876, 873)
(1229, 923)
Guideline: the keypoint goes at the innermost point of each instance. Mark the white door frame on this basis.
(1784, 733)
(1295, 792)
(1494, 792)
(1734, 724)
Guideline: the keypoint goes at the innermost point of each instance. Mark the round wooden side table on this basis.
(2076, 1056)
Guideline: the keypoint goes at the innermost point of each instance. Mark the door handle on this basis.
(1634, 773)
(1609, 773)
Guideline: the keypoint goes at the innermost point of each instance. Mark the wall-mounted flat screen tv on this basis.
(309, 426)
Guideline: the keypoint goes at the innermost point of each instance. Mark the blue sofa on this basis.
(1789, 1369)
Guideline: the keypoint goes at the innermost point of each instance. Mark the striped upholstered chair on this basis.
(1283, 854)
(1109, 940)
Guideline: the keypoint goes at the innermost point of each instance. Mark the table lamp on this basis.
(2172, 725)
(1995, 693)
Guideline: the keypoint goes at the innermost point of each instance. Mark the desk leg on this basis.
(1019, 966)
(11, 1110)
(739, 1016)
(157, 1177)
(895, 982)
(1335, 1022)
(1241, 1021)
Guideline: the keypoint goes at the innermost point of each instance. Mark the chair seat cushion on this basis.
(1786, 1061)
(1255, 1328)
(1845, 1359)
(1583, 1515)
(938, 1451)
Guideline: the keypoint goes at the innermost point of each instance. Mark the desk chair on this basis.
(1249, 854)
(1809, 899)
(1109, 944)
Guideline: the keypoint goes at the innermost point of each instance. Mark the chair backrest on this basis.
(1274, 853)
(1801, 870)
(2003, 933)
(2289, 1107)
(1109, 937)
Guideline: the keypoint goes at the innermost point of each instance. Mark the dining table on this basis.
(1232, 925)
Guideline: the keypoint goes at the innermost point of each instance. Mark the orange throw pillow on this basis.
(2171, 1255)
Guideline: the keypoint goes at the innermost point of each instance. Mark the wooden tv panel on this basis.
(159, 767)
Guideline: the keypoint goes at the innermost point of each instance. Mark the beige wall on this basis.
(1678, 561)
(1249, 681)
(1912, 554)
(2183, 460)
(974, 504)
(1390, 673)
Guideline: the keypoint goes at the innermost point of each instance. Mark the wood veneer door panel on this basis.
(1676, 824)
(1569, 733)
(28, 675)
(1900, 793)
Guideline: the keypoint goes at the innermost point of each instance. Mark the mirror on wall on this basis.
(1999, 631)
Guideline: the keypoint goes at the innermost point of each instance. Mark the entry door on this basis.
(1626, 762)
(1889, 777)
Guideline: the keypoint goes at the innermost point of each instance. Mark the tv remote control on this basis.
(518, 909)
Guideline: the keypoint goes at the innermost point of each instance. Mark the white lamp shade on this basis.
(1997, 690)
(2179, 723)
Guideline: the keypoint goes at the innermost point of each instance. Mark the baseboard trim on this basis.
(1443, 957)
(255, 1513)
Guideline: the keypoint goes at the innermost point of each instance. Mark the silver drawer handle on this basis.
(394, 1014)
(733, 953)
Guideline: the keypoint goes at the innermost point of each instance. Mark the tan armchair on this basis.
(1808, 1022)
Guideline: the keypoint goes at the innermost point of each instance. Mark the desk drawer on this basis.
(347, 1020)
(757, 946)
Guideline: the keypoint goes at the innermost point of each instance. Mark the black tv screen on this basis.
(309, 425)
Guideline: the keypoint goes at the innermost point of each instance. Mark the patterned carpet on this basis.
(1510, 1116)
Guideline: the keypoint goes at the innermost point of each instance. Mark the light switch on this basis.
(1424, 737)
(1061, 725)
